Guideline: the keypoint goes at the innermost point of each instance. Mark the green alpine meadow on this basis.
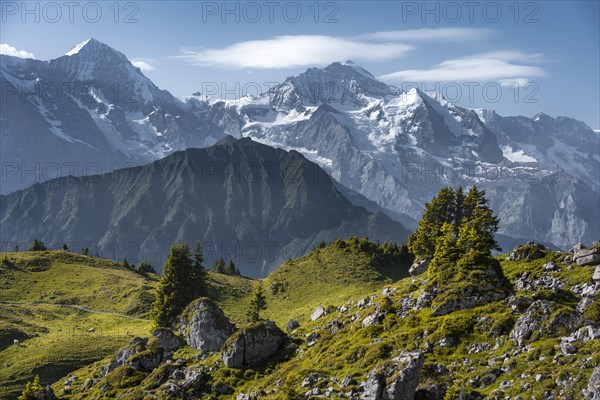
(440, 317)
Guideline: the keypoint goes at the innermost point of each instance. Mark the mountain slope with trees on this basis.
(243, 200)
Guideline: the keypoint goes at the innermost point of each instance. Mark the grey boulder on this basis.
(204, 325)
(252, 345)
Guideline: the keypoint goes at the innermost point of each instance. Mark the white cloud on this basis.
(143, 65)
(429, 34)
(294, 51)
(8, 50)
(491, 66)
(520, 82)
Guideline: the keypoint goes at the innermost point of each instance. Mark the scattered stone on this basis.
(386, 291)
(372, 319)
(586, 333)
(406, 304)
(425, 299)
(362, 303)
(592, 392)
(505, 384)
(318, 313)
(518, 304)
(251, 345)
(291, 325)
(347, 381)
(312, 339)
(596, 276)
(204, 325)
(396, 380)
(592, 259)
(310, 380)
(419, 267)
(551, 266)
(567, 347)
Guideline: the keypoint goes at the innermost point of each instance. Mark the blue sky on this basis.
(516, 57)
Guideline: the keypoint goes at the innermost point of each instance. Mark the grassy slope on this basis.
(40, 288)
(37, 291)
(326, 277)
(355, 350)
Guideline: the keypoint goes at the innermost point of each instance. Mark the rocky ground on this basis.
(537, 337)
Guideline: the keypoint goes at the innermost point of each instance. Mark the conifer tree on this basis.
(198, 271)
(230, 268)
(85, 251)
(33, 390)
(258, 302)
(219, 266)
(446, 250)
(440, 210)
(65, 247)
(145, 267)
(175, 290)
(37, 245)
(483, 222)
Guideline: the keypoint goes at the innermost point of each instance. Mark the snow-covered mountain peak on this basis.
(96, 50)
(78, 47)
(344, 84)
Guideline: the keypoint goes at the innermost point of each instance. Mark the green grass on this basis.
(330, 277)
(39, 290)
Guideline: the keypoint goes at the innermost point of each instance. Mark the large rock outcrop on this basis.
(141, 355)
(204, 325)
(252, 345)
(543, 317)
(397, 380)
(584, 257)
(529, 251)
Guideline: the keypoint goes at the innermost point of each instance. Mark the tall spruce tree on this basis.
(454, 208)
(441, 209)
(175, 289)
(198, 272)
(476, 234)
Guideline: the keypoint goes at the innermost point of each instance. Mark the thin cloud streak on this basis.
(294, 51)
(491, 66)
(429, 34)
